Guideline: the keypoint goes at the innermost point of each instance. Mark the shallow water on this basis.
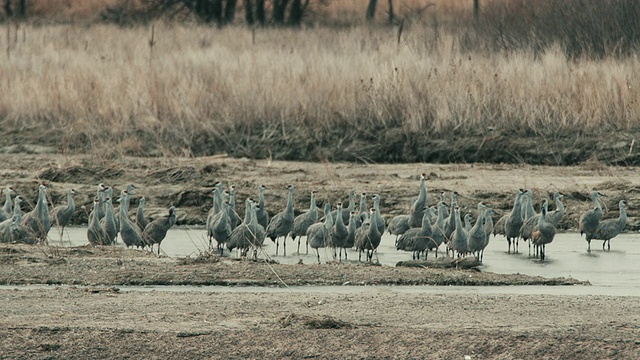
(611, 272)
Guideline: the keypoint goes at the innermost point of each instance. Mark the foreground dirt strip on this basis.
(68, 323)
(87, 265)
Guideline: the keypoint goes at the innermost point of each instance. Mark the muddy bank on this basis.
(83, 323)
(87, 265)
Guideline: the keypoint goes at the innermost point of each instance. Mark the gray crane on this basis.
(109, 192)
(530, 223)
(608, 229)
(282, 223)
(99, 210)
(363, 214)
(398, 225)
(339, 234)
(418, 207)
(259, 234)
(220, 227)
(61, 215)
(129, 232)
(437, 230)
(488, 228)
(378, 218)
(419, 239)
(263, 215)
(108, 222)
(242, 237)
(157, 230)
(39, 219)
(7, 210)
(467, 222)
(214, 211)
(346, 211)
(444, 204)
(368, 236)
(513, 222)
(555, 216)
(141, 220)
(450, 223)
(527, 206)
(319, 234)
(302, 222)
(477, 237)
(234, 219)
(95, 232)
(543, 233)
(589, 221)
(16, 218)
(352, 227)
(459, 238)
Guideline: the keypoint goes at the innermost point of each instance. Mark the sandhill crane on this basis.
(589, 221)
(488, 228)
(346, 211)
(527, 206)
(363, 214)
(259, 234)
(555, 216)
(214, 211)
(241, 237)
(437, 230)
(459, 237)
(398, 225)
(129, 232)
(352, 227)
(608, 229)
(418, 207)
(543, 233)
(108, 222)
(15, 219)
(467, 222)
(263, 215)
(7, 210)
(513, 222)
(109, 192)
(443, 202)
(157, 230)
(450, 223)
(368, 236)
(141, 221)
(39, 219)
(220, 227)
(319, 234)
(99, 210)
(339, 234)
(417, 240)
(378, 218)
(234, 219)
(302, 222)
(530, 223)
(477, 237)
(95, 232)
(282, 223)
(61, 215)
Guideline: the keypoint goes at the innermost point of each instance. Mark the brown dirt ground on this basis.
(102, 322)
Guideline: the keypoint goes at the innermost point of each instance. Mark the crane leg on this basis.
(589, 245)
(609, 244)
(284, 246)
(277, 246)
(298, 243)
(509, 246)
(318, 253)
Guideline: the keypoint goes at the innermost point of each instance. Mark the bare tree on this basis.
(476, 9)
(279, 11)
(371, 10)
(7, 8)
(23, 8)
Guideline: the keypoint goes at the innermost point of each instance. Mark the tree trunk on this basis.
(261, 15)
(249, 16)
(279, 10)
(7, 8)
(217, 11)
(295, 14)
(391, 15)
(230, 11)
(23, 9)
(371, 10)
(476, 9)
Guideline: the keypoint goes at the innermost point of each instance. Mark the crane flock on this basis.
(422, 230)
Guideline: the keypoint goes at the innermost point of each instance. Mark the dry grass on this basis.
(205, 90)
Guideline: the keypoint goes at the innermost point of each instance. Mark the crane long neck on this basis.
(363, 204)
(70, 203)
(517, 208)
(7, 202)
(124, 208)
(290, 201)
(622, 219)
(17, 211)
(422, 198)
(480, 219)
(426, 222)
(559, 204)
(596, 202)
(328, 219)
(261, 198)
(458, 220)
(247, 212)
(313, 208)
